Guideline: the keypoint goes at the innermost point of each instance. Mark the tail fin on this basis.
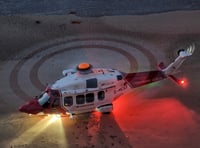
(183, 53)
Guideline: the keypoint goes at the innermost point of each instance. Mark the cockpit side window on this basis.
(68, 101)
(56, 102)
(80, 99)
(55, 93)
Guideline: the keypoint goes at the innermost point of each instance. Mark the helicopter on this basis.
(87, 89)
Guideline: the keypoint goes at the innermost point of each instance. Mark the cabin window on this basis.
(101, 95)
(80, 99)
(89, 98)
(91, 83)
(68, 101)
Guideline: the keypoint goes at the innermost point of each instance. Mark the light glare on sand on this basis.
(54, 118)
(28, 136)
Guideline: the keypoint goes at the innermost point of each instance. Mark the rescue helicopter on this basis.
(86, 89)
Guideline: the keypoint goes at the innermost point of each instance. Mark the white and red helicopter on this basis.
(86, 89)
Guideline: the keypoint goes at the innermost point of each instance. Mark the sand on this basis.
(158, 115)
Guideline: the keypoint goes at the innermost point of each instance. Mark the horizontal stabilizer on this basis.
(180, 82)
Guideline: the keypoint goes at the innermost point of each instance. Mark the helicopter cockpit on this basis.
(49, 98)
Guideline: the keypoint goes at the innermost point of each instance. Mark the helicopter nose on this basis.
(31, 107)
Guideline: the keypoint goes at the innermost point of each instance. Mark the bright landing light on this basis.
(28, 136)
(54, 118)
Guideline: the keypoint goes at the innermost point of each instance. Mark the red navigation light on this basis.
(182, 82)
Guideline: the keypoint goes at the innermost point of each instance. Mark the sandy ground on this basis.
(35, 50)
